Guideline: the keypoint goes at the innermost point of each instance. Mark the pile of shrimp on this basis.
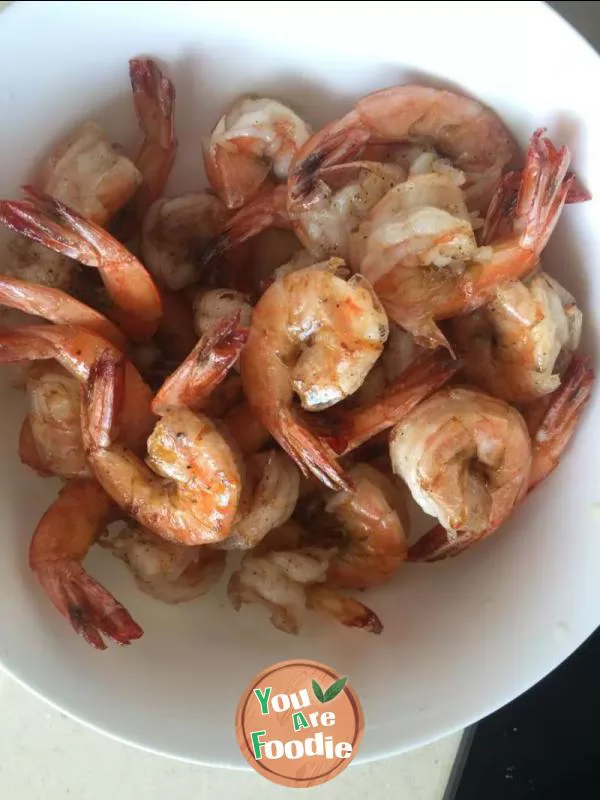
(345, 326)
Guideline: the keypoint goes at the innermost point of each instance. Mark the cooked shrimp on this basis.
(343, 196)
(466, 458)
(471, 135)
(34, 263)
(287, 581)
(56, 306)
(175, 233)
(87, 173)
(552, 421)
(374, 526)
(256, 138)
(273, 499)
(154, 101)
(418, 249)
(212, 305)
(517, 346)
(50, 439)
(49, 222)
(172, 573)
(189, 488)
(192, 383)
(77, 350)
(318, 335)
(349, 429)
(61, 541)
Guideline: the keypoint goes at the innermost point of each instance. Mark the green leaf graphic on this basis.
(318, 692)
(334, 690)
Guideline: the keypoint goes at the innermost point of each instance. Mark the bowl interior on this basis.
(461, 637)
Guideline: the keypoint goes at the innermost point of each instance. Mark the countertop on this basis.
(46, 755)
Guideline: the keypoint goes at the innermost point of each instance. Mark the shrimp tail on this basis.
(154, 101)
(560, 420)
(424, 375)
(53, 224)
(192, 383)
(437, 544)
(103, 398)
(268, 209)
(312, 455)
(543, 191)
(90, 608)
(47, 221)
(334, 145)
(350, 612)
(57, 306)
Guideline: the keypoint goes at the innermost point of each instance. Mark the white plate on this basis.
(461, 638)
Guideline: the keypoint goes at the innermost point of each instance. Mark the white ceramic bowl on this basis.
(461, 637)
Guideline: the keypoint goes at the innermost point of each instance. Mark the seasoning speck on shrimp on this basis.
(255, 139)
(318, 335)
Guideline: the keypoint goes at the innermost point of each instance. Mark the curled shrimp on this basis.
(154, 101)
(57, 306)
(318, 335)
(272, 501)
(256, 138)
(552, 421)
(175, 233)
(61, 541)
(466, 458)
(77, 350)
(87, 173)
(287, 579)
(189, 488)
(50, 440)
(374, 525)
(471, 135)
(418, 249)
(517, 346)
(53, 224)
(169, 572)
(343, 196)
